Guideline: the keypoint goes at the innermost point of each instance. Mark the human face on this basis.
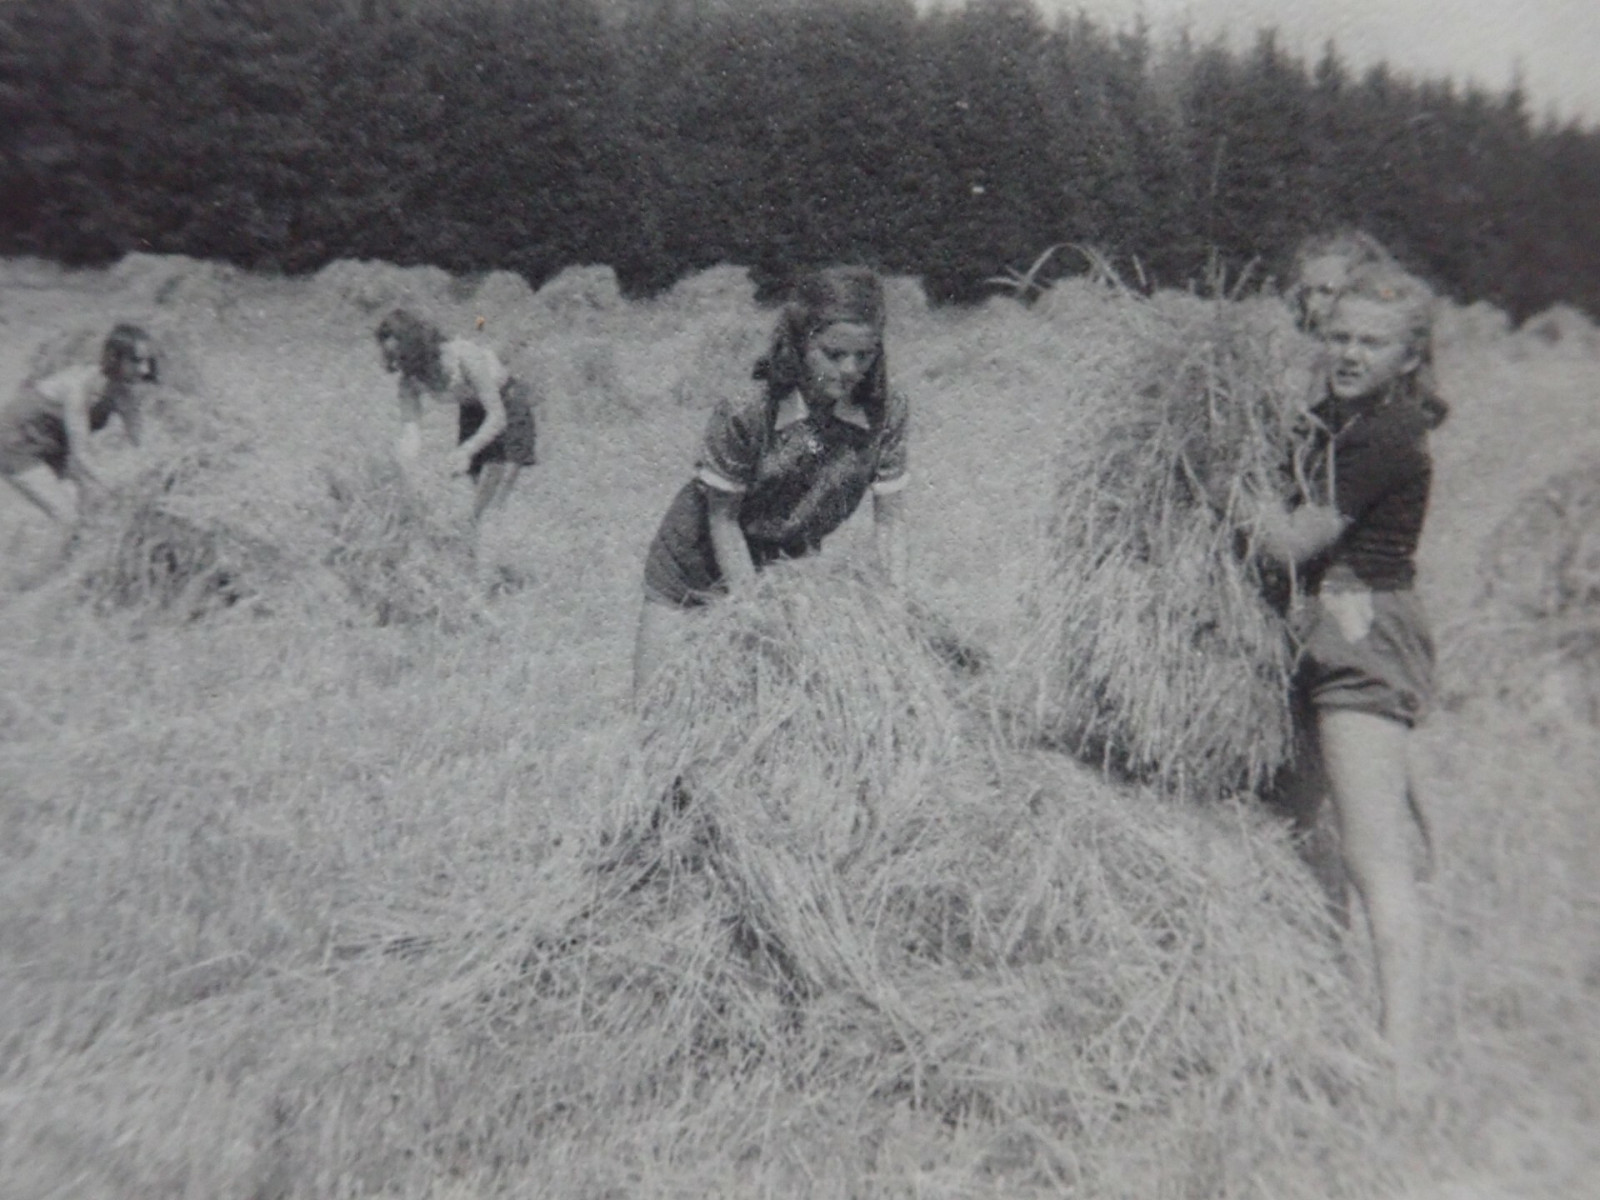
(1320, 281)
(138, 365)
(1370, 347)
(838, 357)
(389, 346)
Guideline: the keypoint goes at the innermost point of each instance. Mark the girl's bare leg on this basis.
(494, 485)
(660, 627)
(1365, 757)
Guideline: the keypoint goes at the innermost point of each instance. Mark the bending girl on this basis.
(786, 462)
(49, 421)
(496, 432)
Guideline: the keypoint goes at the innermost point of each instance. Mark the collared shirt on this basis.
(801, 473)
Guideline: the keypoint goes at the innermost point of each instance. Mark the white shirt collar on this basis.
(793, 408)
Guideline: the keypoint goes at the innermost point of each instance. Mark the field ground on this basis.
(208, 825)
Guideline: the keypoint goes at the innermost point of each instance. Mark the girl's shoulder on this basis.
(460, 355)
(60, 386)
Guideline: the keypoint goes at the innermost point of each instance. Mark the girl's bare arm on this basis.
(727, 539)
(889, 532)
(1294, 536)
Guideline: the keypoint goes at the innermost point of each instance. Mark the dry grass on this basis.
(294, 904)
(1147, 642)
(1533, 634)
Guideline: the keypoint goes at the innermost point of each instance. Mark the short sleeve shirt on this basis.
(801, 473)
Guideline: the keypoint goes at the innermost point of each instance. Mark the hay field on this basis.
(326, 876)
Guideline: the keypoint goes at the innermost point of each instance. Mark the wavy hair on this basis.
(121, 347)
(419, 341)
(821, 298)
(1415, 303)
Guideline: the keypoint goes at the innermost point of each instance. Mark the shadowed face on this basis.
(1318, 290)
(142, 364)
(1370, 347)
(389, 347)
(838, 358)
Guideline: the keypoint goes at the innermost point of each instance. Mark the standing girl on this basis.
(1367, 656)
(496, 438)
(786, 462)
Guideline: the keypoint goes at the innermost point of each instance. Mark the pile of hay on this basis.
(1534, 632)
(1147, 643)
(214, 512)
(403, 557)
(1561, 327)
(816, 905)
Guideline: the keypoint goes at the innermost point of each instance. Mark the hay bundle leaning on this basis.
(820, 880)
(1147, 641)
(806, 720)
(1534, 632)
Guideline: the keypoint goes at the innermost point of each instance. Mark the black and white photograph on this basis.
(799, 600)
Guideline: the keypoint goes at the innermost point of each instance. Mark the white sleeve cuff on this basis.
(888, 487)
(718, 483)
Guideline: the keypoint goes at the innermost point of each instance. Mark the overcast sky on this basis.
(1555, 43)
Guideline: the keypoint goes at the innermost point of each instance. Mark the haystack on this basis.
(815, 876)
(1561, 327)
(580, 296)
(1533, 634)
(1147, 643)
(719, 289)
(360, 290)
(214, 512)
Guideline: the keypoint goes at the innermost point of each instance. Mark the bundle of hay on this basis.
(404, 556)
(213, 511)
(819, 891)
(1147, 642)
(1534, 632)
(152, 546)
(578, 297)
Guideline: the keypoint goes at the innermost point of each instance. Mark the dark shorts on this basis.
(1367, 652)
(517, 441)
(33, 435)
(681, 568)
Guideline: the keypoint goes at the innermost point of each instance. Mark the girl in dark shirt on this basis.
(1367, 657)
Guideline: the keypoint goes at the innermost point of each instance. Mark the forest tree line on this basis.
(664, 136)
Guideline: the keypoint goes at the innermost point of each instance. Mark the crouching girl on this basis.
(49, 421)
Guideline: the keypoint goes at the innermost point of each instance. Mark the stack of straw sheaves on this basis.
(1537, 622)
(1148, 642)
(219, 510)
(816, 873)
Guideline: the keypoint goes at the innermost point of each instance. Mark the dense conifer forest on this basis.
(663, 136)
